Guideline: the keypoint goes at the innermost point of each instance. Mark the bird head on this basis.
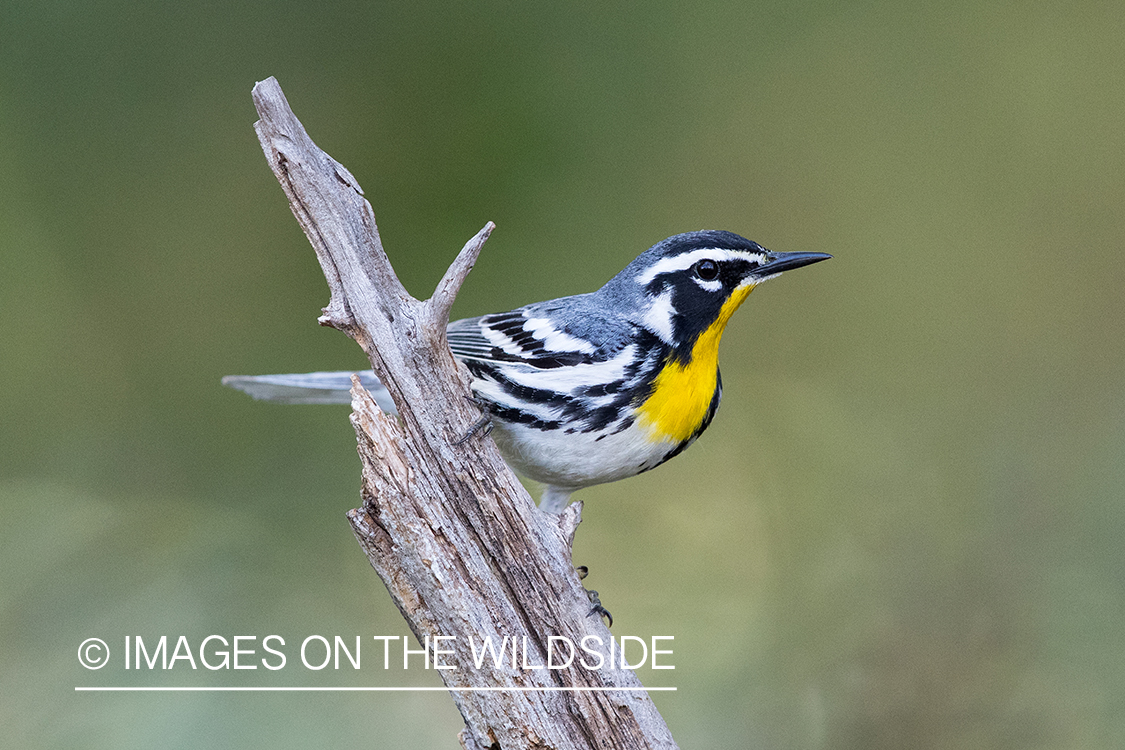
(690, 284)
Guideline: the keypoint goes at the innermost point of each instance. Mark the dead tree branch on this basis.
(449, 529)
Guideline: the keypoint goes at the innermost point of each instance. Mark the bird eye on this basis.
(708, 270)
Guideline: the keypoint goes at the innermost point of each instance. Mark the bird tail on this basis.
(311, 388)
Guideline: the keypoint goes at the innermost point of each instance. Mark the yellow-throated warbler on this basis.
(596, 387)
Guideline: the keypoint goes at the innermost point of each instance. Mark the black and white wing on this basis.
(553, 365)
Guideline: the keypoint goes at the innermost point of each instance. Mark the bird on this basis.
(597, 387)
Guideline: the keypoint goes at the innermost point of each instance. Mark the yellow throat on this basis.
(682, 393)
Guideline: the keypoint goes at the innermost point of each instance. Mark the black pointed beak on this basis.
(778, 262)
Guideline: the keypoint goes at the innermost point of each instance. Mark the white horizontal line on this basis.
(108, 689)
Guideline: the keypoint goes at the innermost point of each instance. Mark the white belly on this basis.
(579, 459)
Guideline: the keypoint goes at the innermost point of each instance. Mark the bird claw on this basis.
(597, 608)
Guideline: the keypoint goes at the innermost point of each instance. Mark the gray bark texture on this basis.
(448, 528)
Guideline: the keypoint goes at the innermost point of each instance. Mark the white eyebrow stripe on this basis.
(687, 260)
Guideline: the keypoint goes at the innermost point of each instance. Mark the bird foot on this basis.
(484, 423)
(596, 608)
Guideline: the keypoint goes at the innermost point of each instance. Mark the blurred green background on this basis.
(904, 528)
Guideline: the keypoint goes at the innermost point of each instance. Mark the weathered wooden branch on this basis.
(449, 529)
